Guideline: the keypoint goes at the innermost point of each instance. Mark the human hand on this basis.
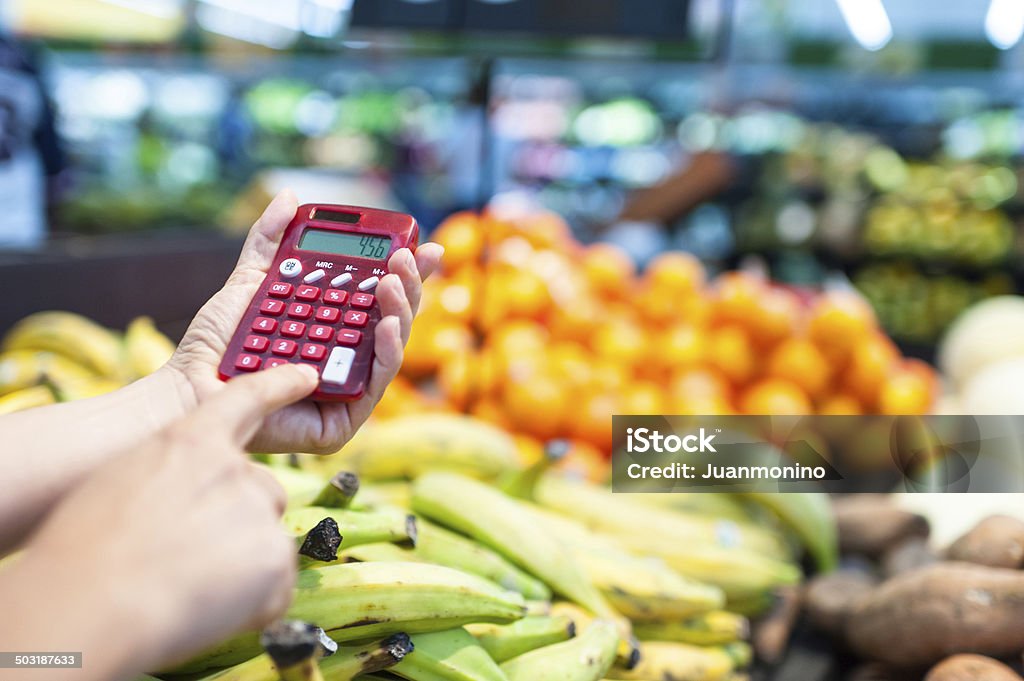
(170, 548)
(317, 427)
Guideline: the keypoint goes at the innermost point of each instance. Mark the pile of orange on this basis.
(527, 328)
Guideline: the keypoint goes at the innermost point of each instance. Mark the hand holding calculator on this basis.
(317, 305)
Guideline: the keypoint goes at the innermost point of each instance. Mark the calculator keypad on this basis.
(323, 324)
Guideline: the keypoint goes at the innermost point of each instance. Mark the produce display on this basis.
(530, 330)
(903, 607)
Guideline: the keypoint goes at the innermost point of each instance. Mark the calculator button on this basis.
(256, 343)
(349, 337)
(338, 366)
(280, 289)
(300, 311)
(275, 362)
(313, 352)
(292, 267)
(362, 300)
(272, 307)
(333, 296)
(264, 325)
(355, 318)
(284, 347)
(247, 362)
(368, 284)
(307, 293)
(328, 314)
(341, 279)
(293, 329)
(320, 333)
(315, 275)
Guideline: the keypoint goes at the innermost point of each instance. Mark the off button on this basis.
(292, 267)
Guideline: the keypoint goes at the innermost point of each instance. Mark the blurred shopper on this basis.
(30, 153)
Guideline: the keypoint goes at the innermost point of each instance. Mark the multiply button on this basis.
(292, 267)
(355, 318)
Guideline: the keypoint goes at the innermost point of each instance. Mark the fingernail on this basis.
(311, 373)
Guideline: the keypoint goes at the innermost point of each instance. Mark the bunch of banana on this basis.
(360, 601)
(710, 629)
(72, 336)
(145, 348)
(587, 657)
(505, 641)
(682, 662)
(26, 398)
(409, 446)
(452, 655)
(356, 526)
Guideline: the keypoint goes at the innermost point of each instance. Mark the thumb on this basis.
(265, 235)
(239, 408)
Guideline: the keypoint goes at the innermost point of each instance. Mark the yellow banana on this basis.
(27, 398)
(145, 348)
(716, 505)
(588, 657)
(397, 494)
(505, 641)
(301, 487)
(356, 527)
(407, 446)
(362, 601)
(452, 655)
(678, 662)
(712, 628)
(25, 368)
(70, 335)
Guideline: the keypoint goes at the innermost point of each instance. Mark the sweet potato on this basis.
(996, 541)
(830, 598)
(870, 524)
(922, 616)
(772, 631)
(874, 672)
(910, 554)
(971, 668)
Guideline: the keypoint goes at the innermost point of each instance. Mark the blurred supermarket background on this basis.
(751, 162)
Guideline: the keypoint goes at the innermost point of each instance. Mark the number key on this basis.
(335, 296)
(313, 352)
(320, 333)
(284, 347)
(307, 293)
(300, 310)
(272, 307)
(247, 362)
(264, 325)
(328, 314)
(363, 301)
(355, 318)
(256, 343)
(293, 329)
(280, 289)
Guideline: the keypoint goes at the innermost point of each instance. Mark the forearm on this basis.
(47, 450)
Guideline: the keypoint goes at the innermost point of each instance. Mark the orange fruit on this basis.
(577, 320)
(731, 354)
(537, 406)
(643, 397)
(584, 461)
(458, 378)
(620, 341)
(698, 384)
(457, 296)
(798, 360)
(839, 322)
(431, 344)
(778, 316)
(906, 392)
(608, 269)
(492, 412)
(518, 337)
(775, 397)
(592, 419)
(703, 406)
(545, 229)
(675, 273)
(870, 363)
(512, 293)
(679, 346)
(608, 376)
(462, 235)
(571, 363)
(736, 298)
(840, 405)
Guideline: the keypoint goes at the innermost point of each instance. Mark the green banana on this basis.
(646, 589)
(523, 483)
(320, 545)
(617, 514)
(505, 641)
(339, 491)
(395, 493)
(712, 505)
(679, 662)
(360, 601)
(408, 446)
(809, 516)
(712, 628)
(588, 657)
(452, 655)
(356, 527)
(301, 487)
(439, 546)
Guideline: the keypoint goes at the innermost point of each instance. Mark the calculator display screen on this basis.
(345, 243)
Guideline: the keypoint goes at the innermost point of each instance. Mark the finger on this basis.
(387, 348)
(282, 588)
(428, 259)
(238, 409)
(270, 486)
(403, 264)
(265, 235)
(393, 302)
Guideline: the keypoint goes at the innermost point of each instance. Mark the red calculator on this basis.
(317, 304)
